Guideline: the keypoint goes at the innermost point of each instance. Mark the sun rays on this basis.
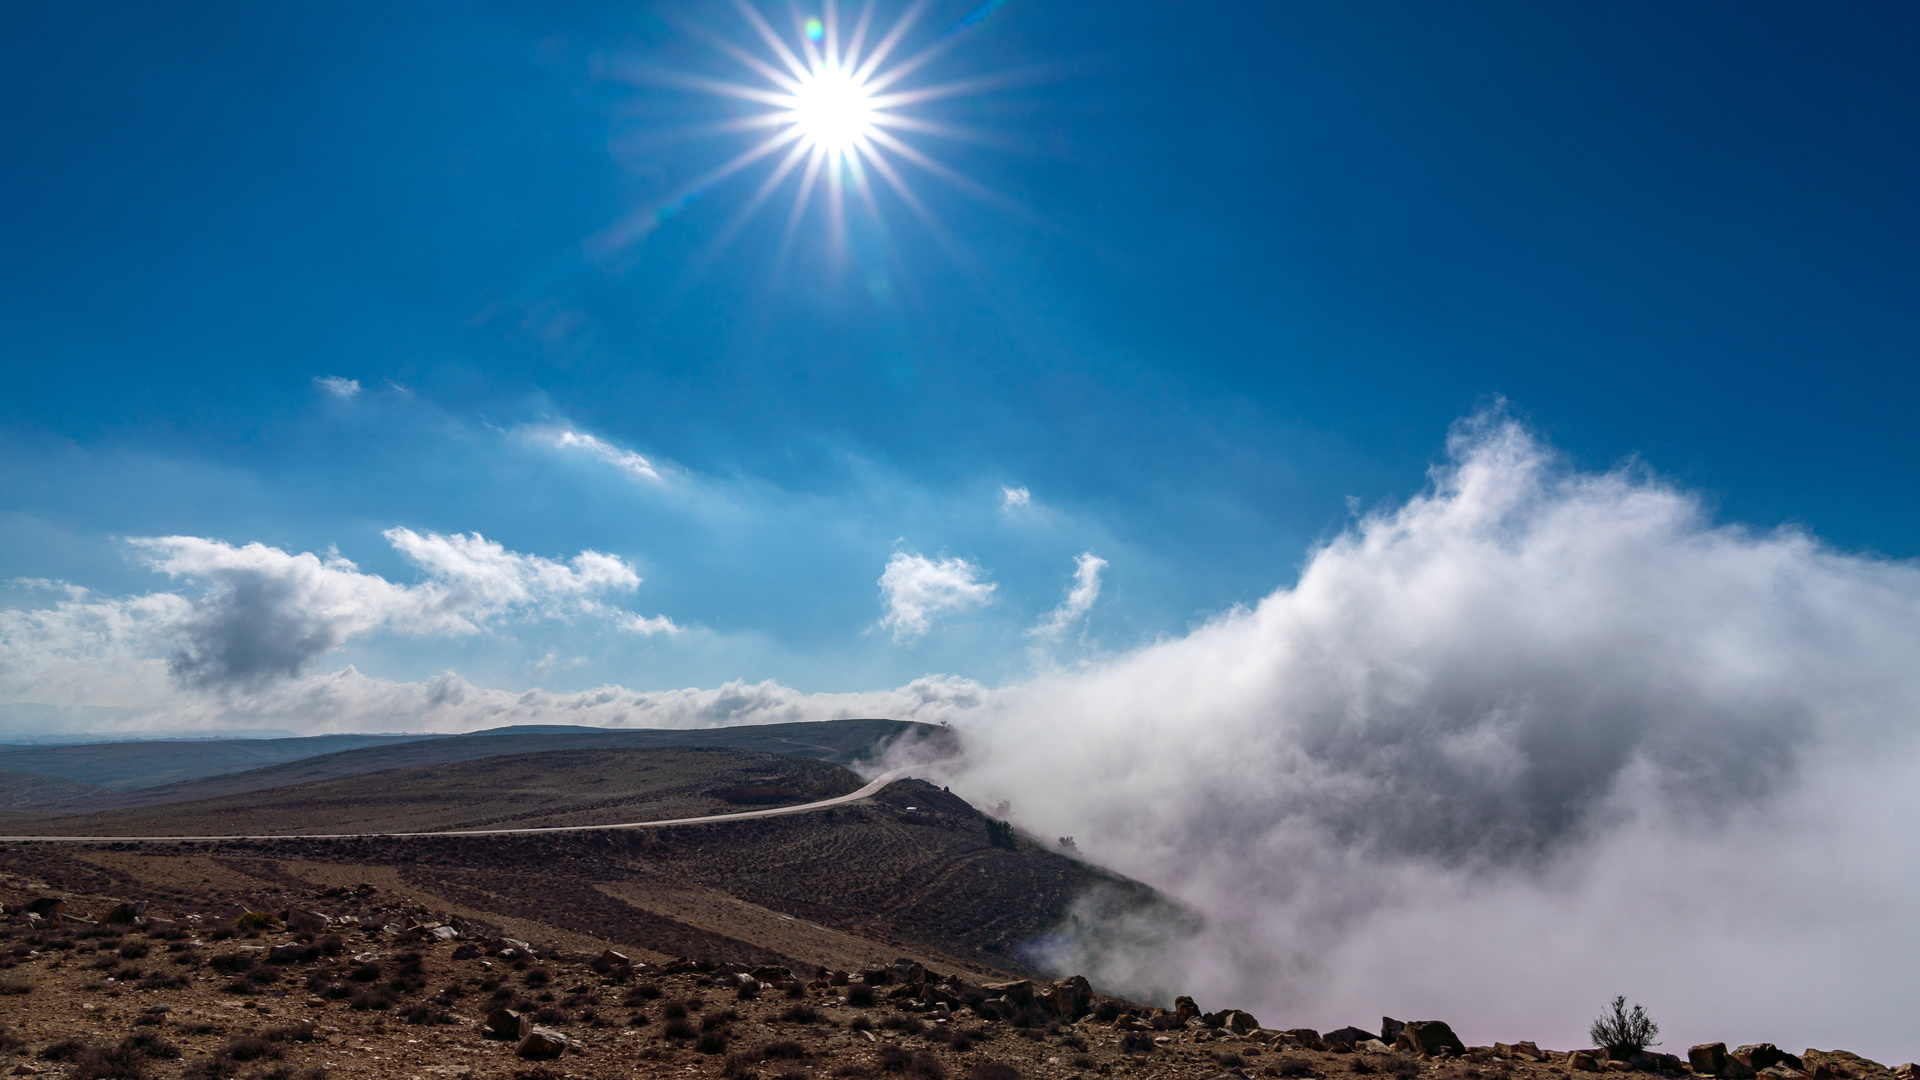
(832, 119)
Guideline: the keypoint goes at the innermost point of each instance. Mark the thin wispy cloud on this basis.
(627, 461)
(915, 590)
(647, 627)
(1080, 597)
(344, 389)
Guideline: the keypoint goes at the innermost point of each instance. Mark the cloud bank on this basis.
(1535, 738)
(266, 614)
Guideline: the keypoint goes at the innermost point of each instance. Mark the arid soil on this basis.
(201, 1000)
(210, 961)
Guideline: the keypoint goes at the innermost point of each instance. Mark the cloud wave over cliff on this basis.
(1534, 738)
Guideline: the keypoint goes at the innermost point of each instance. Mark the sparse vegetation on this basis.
(1000, 834)
(1623, 1032)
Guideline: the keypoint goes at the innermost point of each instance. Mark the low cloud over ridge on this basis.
(1535, 738)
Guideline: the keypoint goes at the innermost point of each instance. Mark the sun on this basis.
(839, 118)
(832, 110)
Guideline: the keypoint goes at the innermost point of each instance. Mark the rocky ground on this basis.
(94, 989)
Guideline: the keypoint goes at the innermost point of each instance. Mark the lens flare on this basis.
(840, 109)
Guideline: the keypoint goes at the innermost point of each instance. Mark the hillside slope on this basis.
(840, 741)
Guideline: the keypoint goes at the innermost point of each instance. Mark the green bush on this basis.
(1622, 1031)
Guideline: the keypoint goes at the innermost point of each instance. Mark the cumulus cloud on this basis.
(915, 589)
(1534, 738)
(337, 386)
(1080, 597)
(626, 461)
(1013, 498)
(266, 614)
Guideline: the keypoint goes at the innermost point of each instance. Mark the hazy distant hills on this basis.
(134, 774)
(122, 766)
(549, 788)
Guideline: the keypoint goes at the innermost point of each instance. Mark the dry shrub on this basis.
(782, 1049)
(993, 1070)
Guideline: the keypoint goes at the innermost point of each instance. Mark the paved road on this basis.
(873, 786)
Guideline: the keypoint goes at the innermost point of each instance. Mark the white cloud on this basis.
(625, 460)
(1086, 589)
(266, 613)
(647, 627)
(553, 662)
(1013, 498)
(337, 386)
(915, 589)
(1535, 738)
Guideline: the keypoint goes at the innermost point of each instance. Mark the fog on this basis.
(1535, 738)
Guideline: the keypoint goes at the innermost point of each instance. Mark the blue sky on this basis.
(1235, 270)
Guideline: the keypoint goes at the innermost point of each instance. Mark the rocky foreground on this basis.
(127, 994)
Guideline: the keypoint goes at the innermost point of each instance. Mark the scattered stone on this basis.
(1708, 1059)
(1579, 1061)
(1906, 1071)
(1372, 1046)
(157, 1010)
(1346, 1036)
(1761, 1056)
(542, 1044)
(1184, 1009)
(1072, 998)
(468, 951)
(1306, 1038)
(1020, 991)
(127, 914)
(1390, 1030)
(507, 1024)
(610, 961)
(1429, 1037)
(47, 907)
(307, 922)
(1782, 1071)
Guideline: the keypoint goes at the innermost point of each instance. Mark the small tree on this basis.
(1000, 834)
(1624, 1032)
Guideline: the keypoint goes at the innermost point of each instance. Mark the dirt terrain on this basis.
(877, 938)
(399, 997)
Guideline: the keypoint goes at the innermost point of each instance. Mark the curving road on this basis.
(872, 786)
